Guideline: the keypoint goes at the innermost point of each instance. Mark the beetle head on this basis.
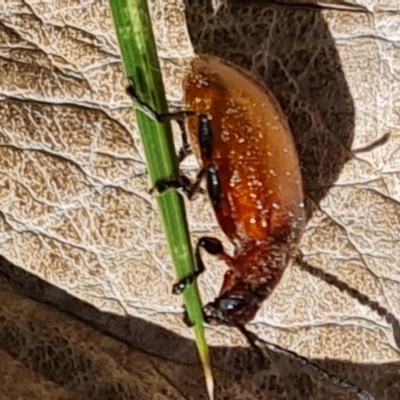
(235, 307)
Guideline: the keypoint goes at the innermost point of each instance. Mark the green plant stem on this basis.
(139, 56)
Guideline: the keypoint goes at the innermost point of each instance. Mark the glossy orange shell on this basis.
(254, 153)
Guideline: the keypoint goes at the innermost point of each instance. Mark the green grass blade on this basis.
(139, 56)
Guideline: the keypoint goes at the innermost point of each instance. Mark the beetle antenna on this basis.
(377, 143)
(252, 339)
(322, 373)
(363, 299)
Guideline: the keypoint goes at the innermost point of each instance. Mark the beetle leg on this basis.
(189, 189)
(183, 184)
(186, 149)
(214, 186)
(180, 286)
(210, 245)
(178, 116)
(152, 113)
(204, 134)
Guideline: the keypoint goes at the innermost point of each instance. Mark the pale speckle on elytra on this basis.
(272, 172)
(235, 177)
(285, 150)
(253, 195)
(252, 220)
(241, 140)
(225, 138)
(264, 223)
(301, 205)
(276, 206)
(269, 154)
(288, 173)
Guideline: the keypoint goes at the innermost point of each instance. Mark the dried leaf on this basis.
(74, 207)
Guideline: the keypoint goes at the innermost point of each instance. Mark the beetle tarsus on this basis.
(212, 246)
(130, 90)
(180, 286)
(182, 184)
(188, 188)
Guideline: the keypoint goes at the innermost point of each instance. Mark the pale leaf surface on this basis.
(74, 204)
